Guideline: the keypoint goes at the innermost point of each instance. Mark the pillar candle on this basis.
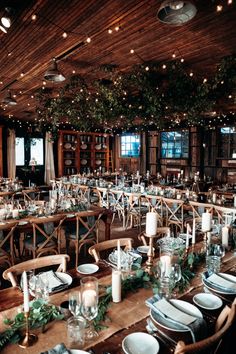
(194, 232)
(118, 255)
(206, 222)
(187, 236)
(15, 213)
(26, 292)
(225, 236)
(208, 238)
(89, 298)
(151, 223)
(165, 265)
(116, 285)
(214, 198)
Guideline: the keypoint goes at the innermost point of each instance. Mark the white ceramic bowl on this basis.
(140, 343)
(207, 301)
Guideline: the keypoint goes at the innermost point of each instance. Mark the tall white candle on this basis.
(206, 222)
(194, 232)
(151, 223)
(225, 236)
(26, 292)
(116, 285)
(118, 255)
(187, 236)
(89, 298)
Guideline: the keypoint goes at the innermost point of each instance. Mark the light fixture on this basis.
(176, 12)
(6, 20)
(53, 74)
(9, 100)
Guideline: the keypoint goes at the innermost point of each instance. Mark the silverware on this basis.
(152, 329)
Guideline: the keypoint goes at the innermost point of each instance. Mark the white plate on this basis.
(181, 305)
(66, 278)
(207, 301)
(78, 351)
(68, 162)
(98, 162)
(143, 249)
(67, 146)
(216, 288)
(98, 147)
(21, 223)
(140, 343)
(70, 215)
(84, 162)
(87, 268)
(84, 146)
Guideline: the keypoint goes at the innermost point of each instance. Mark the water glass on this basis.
(75, 303)
(89, 304)
(165, 288)
(213, 263)
(75, 332)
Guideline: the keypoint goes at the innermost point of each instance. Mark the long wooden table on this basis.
(126, 317)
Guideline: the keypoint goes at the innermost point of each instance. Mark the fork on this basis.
(166, 340)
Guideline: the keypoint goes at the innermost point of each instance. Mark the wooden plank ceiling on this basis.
(29, 45)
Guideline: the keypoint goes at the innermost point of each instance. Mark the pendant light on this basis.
(53, 74)
(9, 100)
(176, 12)
(6, 20)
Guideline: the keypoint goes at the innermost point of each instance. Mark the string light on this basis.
(131, 51)
(64, 35)
(191, 74)
(173, 55)
(73, 71)
(117, 28)
(230, 2)
(164, 66)
(109, 31)
(33, 17)
(219, 8)
(182, 60)
(88, 40)
(205, 80)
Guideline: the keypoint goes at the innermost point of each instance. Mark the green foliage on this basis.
(41, 313)
(142, 96)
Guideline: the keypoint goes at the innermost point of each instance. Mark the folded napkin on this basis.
(196, 325)
(222, 282)
(54, 282)
(58, 349)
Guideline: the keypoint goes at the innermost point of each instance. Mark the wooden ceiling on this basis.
(29, 45)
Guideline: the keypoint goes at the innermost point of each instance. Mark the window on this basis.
(130, 145)
(36, 150)
(227, 143)
(20, 151)
(175, 144)
(28, 149)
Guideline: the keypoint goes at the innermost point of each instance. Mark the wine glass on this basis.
(75, 303)
(89, 303)
(175, 276)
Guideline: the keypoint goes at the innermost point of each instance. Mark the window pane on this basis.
(20, 151)
(175, 144)
(36, 150)
(130, 145)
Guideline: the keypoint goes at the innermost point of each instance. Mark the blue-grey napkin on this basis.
(58, 349)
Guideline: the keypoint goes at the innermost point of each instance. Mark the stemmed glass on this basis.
(89, 303)
(175, 275)
(75, 303)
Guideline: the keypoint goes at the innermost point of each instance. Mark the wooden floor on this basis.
(117, 231)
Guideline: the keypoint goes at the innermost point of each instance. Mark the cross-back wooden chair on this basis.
(173, 212)
(117, 204)
(84, 232)
(13, 272)
(103, 195)
(108, 245)
(30, 195)
(7, 242)
(199, 208)
(161, 232)
(136, 210)
(46, 236)
(215, 344)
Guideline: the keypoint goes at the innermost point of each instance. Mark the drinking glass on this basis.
(75, 331)
(175, 276)
(89, 304)
(75, 303)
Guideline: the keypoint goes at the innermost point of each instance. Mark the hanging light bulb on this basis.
(53, 74)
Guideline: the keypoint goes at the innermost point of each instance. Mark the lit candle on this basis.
(225, 236)
(214, 198)
(89, 298)
(26, 292)
(165, 265)
(151, 223)
(194, 232)
(206, 222)
(118, 254)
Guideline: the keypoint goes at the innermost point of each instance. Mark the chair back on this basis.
(7, 242)
(216, 342)
(49, 228)
(37, 263)
(108, 245)
(161, 231)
